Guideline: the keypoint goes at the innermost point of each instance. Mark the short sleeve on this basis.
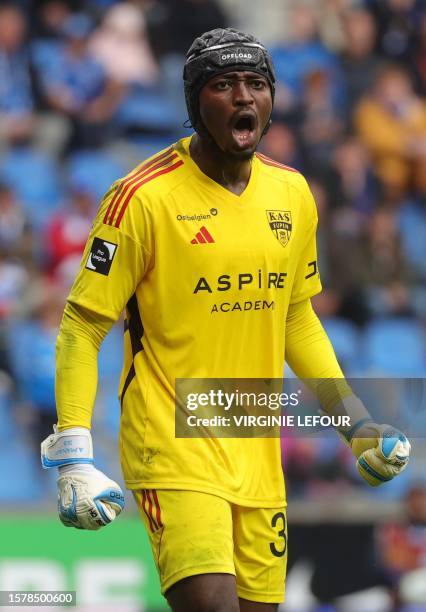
(307, 279)
(115, 260)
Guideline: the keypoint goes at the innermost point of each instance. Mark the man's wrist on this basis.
(68, 447)
(357, 415)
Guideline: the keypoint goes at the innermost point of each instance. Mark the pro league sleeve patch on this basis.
(101, 256)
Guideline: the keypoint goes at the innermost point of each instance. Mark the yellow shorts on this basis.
(197, 533)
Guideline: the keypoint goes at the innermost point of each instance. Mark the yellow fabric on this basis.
(208, 310)
(195, 533)
(81, 334)
(309, 353)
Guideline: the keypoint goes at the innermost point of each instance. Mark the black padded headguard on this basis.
(219, 51)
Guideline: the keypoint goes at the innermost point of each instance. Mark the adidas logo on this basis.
(202, 236)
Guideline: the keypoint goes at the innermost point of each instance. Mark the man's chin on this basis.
(234, 149)
(243, 154)
(243, 146)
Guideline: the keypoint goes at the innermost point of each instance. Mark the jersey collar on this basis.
(215, 187)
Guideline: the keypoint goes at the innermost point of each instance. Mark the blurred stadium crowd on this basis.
(88, 88)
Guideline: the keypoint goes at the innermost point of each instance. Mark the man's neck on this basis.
(230, 172)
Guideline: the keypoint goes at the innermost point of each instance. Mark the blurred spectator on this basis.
(391, 121)
(12, 221)
(122, 35)
(317, 469)
(357, 186)
(397, 23)
(402, 547)
(419, 56)
(322, 122)
(13, 279)
(280, 144)
(16, 97)
(303, 54)
(358, 60)
(67, 234)
(50, 19)
(174, 25)
(34, 361)
(327, 303)
(76, 85)
(388, 276)
(341, 256)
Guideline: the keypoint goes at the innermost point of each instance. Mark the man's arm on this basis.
(80, 337)
(382, 452)
(87, 499)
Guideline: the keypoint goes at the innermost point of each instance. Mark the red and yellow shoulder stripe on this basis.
(164, 162)
(271, 162)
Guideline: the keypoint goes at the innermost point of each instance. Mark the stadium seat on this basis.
(395, 347)
(146, 145)
(93, 171)
(34, 177)
(345, 338)
(412, 226)
(147, 109)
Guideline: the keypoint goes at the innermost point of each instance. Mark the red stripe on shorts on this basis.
(157, 505)
(148, 494)
(145, 499)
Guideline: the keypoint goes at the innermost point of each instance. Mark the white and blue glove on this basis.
(382, 452)
(87, 499)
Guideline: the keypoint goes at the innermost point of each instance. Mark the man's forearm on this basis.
(310, 355)
(80, 336)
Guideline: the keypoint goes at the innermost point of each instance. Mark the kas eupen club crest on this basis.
(280, 224)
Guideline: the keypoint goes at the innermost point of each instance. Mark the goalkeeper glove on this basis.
(382, 451)
(87, 499)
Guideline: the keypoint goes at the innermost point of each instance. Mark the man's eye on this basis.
(258, 84)
(222, 85)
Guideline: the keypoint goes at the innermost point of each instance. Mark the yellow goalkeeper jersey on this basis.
(206, 278)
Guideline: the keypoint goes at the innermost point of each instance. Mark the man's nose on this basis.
(242, 93)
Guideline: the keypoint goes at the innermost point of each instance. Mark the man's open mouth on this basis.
(243, 129)
(245, 123)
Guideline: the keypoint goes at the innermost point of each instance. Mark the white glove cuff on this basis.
(67, 447)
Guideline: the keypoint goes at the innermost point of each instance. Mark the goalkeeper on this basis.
(209, 247)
